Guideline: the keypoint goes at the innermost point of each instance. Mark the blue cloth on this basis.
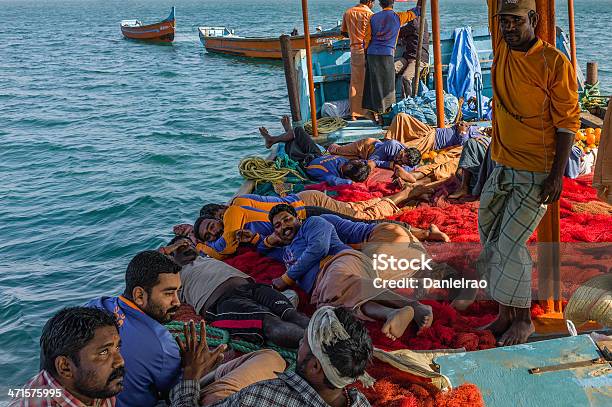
(470, 109)
(463, 65)
(384, 153)
(449, 137)
(348, 231)
(385, 27)
(316, 239)
(572, 170)
(423, 108)
(327, 168)
(152, 356)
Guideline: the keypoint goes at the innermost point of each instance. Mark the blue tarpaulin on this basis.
(463, 65)
(423, 108)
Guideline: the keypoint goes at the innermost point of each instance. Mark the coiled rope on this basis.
(326, 125)
(216, 337)
(259, 170)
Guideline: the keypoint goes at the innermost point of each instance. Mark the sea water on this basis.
(106, 143)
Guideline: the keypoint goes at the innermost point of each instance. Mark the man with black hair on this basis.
(333, 354)
(80, 361)
(300, 147)
(332, 273)
(382, 154)
(150, 299)
(232, 300)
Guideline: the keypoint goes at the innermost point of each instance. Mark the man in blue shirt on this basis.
(379, 153)
(300, 147)
(334, 274)
(152, 356)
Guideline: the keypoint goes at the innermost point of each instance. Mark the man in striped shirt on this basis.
(80, 360)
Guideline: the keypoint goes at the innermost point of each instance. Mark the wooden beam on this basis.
(313, 103)
(435, 28)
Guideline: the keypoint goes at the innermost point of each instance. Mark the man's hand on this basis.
(401, 173)
(551, 189)
(273, 240)
(197, 359)
(175, 246)
(279, 284)
(371, 164)
(184, 229)
(244, 236)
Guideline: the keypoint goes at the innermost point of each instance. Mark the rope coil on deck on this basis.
(591, 97)
(326, 125)
(259, 170)
(217, 336)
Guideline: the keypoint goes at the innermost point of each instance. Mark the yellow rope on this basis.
(259, 170)
(326, 125)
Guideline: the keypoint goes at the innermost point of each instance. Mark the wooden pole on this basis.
(435, 29)
(417, 68)
(592, 75)
(549, 262)
(290, 77)
(313, 103)
(572, 32)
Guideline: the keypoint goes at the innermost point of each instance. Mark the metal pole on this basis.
(572, 32)
(435, 28)
(313, 104)
(417, 68)
(290, 77)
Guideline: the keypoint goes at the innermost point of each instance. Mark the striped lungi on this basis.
(509, 213)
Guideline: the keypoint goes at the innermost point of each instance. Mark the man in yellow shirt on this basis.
(354, 23)
(536, 115)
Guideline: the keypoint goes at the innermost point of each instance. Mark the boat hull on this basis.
(158, 32)
(267, 48)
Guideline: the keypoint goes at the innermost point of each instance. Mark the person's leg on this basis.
(239, 373)
(358, 67)
(423, 314)
(278, 304)
(511, 278)
(282, 333)
(360, 149)
(412, 133)
(408, 77)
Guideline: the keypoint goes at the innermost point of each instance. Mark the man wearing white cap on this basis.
(333, 354)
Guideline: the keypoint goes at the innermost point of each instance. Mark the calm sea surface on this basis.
(106, 143)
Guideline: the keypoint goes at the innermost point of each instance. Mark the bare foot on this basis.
(518, 332)
(397, 322)
(459, 194)
(464, 298)
(417, 191)
(436, 235)
(423, 316)
(286, 122)
(499, 326)
(266, 136)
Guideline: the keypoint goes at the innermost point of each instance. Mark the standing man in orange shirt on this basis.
(354, 23)
(536, 116)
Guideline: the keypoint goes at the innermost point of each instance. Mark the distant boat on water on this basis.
(222, 40)
(162, 31)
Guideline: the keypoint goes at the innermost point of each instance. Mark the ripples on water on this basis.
(106, 143)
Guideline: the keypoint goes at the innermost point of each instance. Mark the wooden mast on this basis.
(313, 104)
(435, 28)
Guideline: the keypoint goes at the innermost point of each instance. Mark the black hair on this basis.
(281, 208)
(358, 171)
(386, 3)
(209, 211)
(69, 331)
(196, 227)
(144, 270)
(413, 156)
(365, 1)
(350, 356)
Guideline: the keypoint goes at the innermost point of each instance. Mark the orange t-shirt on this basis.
(535, 94)
(354, 22)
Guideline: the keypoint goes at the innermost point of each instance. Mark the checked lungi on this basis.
(509, 213)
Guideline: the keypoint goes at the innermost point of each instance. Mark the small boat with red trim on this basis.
(162, 31)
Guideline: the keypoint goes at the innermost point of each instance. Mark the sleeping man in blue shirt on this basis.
(331, 272)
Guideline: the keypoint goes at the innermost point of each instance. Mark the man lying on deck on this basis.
(333, 354)
(231, 300)
(152, 356)
(379, 153)
(215, 229)
(300, 147)
(334, 274)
